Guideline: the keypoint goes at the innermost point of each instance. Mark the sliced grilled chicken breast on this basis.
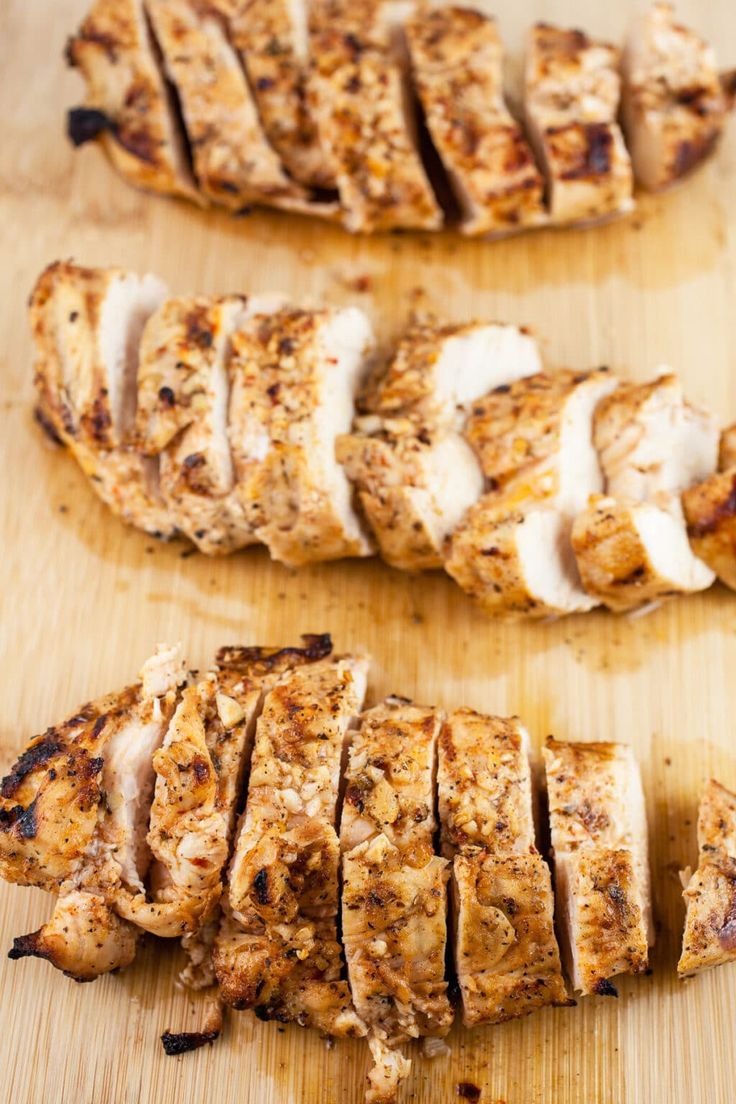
(599, 840)
(652, 442)
(365, 117)
(295, 374)
(416, 475)
(128, 105)
(727, 449)
(506, 955)
(87, 325)
(394, 897)
(674, 107)
(457, 59)
(632, 553)
(277, 948)
(272, 37)
(512, 552)
(572, 89)
(233, 161)
(709, 938)
(710, 514)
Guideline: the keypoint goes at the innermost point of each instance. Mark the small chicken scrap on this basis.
(709, 938)
(674, 103)
(631, 545)
(506, 954)
(457, 59)
(599, 841)
(572, 87)
(394, 918)
(276, 950)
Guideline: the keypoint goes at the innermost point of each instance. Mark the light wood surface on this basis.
(84, 600)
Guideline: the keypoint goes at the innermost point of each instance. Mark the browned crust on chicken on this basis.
(365, 120)
(710, 513)
(709, 938)
(263, 32)
(507, 955)
(727, 449)
(134, 116)
(457, 68)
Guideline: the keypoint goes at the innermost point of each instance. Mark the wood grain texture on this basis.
(83, 600)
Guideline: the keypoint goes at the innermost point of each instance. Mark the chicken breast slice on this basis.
(512, 552)
(295, 374)
(710, 514)
(272, 37)
(233, 160)
(128, 105)
(360, 95)
(652, 442)
(572, 90)
(599, 841)
(709, 938)
(416, 475)
(674, 107)
(630, 553)
(457, 58)
(277, 949)
(86, 326)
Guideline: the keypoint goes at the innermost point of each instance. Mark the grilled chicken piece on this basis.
(674, 107)
(277, 948)
(233, 161)
(272, 38)
(710, 514)
(709, 938)
(599, 841)
(87, 325)
(457, 60)
(512, 552)
(362, 102)
(394, 896)
(416, 475)
(295, 374)
(653, 443)
(185, 387)
(506, 955)
(630, 553)
(727, 449)
(74, 815)
(572, 94)
(128, 105)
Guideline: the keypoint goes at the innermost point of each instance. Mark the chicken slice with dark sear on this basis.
(128, 105)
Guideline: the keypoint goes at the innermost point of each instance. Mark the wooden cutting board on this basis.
(84, 600)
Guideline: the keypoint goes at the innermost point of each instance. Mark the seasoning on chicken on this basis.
(362, 102)
(128, 105)
(87, 325)
(709, 938)
(506, 955)
(295, 374)
(277, 949)
(183, 404)
(631, 546)
(710, 513)
(73, 817)
(534, 441)
(272, 37)
(233, 161)
(415, 473)
(457, 59)
(572, 88)
(674, 106)
(599, 840)
(394, 888)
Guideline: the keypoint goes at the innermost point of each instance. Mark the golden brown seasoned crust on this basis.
(717, 820)
(727, 449)
(484, 784)
(457, 68)
(127, 99)
(710, 513)
(359, 101)
(507, 956)
(591, 171)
